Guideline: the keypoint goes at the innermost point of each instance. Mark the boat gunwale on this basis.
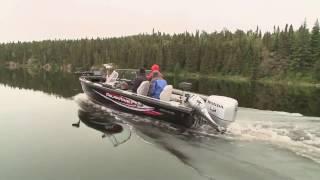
(134, 96)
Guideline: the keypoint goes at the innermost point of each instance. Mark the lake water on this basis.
(50, 130)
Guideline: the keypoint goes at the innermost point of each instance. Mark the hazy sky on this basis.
(27, 20)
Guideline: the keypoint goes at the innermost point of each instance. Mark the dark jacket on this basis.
(136, 82)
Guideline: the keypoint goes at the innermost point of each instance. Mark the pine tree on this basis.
(267, 40)
(283, 42)
(276, 34)
(291, 41)
(315, 43)
(301, 59)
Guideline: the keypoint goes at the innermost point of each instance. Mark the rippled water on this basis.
(45, 136)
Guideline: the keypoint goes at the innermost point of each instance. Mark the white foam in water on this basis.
(288, 114)
(80, 97)
(272, 112)
(294, 132)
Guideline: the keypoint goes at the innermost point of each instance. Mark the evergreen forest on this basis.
(285, 53)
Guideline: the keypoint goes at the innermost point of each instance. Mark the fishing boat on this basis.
(178, 106)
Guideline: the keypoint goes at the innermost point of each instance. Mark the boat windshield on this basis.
(128, 74)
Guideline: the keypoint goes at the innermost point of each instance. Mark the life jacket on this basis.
(157, 87)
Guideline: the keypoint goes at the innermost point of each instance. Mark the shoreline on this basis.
(242, 79)
(196, 76)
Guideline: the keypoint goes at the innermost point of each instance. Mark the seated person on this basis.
(141, 76)
(154, 68)
(156, 85)
(121, 85)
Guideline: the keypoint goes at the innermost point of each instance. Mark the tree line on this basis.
(283, 53)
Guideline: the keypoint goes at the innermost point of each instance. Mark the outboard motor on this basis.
(219, 111)
(199, 105)
(222, 110)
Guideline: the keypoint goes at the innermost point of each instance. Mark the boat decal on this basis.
(152, 113)
(126, 102)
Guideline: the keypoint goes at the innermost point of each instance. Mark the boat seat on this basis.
(143, 89)
(175, 97)
(112, 78)
(166, 93)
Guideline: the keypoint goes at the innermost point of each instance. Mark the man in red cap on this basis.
(154, 68)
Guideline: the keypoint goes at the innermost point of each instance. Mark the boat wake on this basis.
(291, 131)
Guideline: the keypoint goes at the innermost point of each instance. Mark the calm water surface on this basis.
(50, 130)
